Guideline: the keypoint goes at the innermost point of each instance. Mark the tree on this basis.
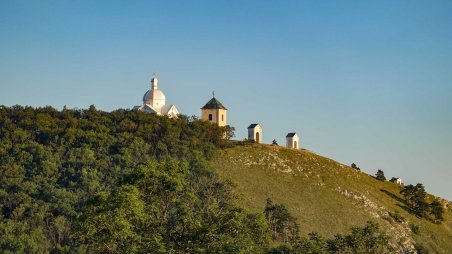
(354, 166)
(380, 175)
(415, 198)
(368, 239)
(274, 142)
(281, 222)
(229, 131)
(437, 210)
(111, 223)
(80, 181)
(314, 244)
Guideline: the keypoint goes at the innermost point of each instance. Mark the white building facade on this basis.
(154, 101)
(292, 140)
(255, 132)
(396, 180)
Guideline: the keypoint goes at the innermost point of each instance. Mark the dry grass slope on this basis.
(325, 196)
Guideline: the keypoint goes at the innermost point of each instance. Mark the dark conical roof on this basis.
(214, 104)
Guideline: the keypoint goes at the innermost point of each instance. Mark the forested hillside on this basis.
(87, 181)
(121, 182)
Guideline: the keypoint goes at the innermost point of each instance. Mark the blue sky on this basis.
(368, 82)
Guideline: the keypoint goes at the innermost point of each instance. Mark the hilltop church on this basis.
(154, 101)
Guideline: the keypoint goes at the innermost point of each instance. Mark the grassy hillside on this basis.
(324, 195)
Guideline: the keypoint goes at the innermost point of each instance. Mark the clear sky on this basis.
(368, 82)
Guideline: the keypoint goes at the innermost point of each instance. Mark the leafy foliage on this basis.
(396, 216)
(437, 211)
(380, 175)
(415, 198)
(354, 166)
(283, 225)
(119, 182)
(368, 239)
(87, 181)
(420, 249)
(415, 229)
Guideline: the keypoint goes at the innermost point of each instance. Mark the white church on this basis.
(154, 101)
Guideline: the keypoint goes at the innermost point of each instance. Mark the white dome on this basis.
(154, 101)
(154, 97)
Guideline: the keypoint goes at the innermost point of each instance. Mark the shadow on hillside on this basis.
(407, 209)
(392, 195)
(412, 212)
(402, 203)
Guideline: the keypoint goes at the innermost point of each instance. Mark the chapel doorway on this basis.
(257, 137)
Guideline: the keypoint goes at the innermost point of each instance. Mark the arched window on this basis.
(210, 117)
(222, 117)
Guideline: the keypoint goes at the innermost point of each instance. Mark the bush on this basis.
(369, 239)
(397, 216)
(415, 229)
(354, 166)
(420, 249)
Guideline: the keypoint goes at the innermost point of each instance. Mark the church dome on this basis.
(154, 95)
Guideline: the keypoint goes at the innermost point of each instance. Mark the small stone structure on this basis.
(255, 132)
(396, 180)
(292, 140)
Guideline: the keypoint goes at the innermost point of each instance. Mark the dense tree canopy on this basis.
(87, 181)
(119, 182)
(415, 199)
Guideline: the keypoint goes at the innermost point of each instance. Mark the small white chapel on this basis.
(154, 101)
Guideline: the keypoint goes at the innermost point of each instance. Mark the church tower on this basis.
(154, 101)
(214, 112)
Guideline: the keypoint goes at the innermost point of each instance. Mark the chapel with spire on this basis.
(214, 112)
(154, 101)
